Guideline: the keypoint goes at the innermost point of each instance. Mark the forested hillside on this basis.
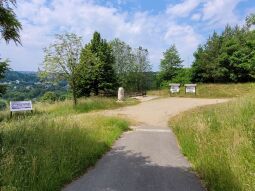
(27, 85)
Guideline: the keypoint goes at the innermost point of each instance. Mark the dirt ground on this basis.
(156, 112)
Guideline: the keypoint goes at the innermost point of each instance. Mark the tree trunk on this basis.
(74, 92)
(74, 98)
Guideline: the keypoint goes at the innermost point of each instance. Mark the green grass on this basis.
(211, 91)
(47, 149)
(219, 141)
(43, 154)
(60, 108)
(84, 105)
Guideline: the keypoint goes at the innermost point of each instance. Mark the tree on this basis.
(96, 68)
(9, 29)
(170, 64)
(9, 25)
(61, 60)
(3, 68)
(228, 57)
(141, 68)
(124, 62)
(206, 66)
(250, 20)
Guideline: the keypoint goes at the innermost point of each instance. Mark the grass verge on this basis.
(41, 153)
(219, 141)
(211, 91)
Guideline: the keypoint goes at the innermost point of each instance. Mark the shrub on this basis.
(49, 97)
(3, 105)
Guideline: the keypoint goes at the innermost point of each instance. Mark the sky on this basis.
(152, 24)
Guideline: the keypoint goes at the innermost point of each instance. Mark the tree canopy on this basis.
(9, 25)
(61, 60)
(170, 64)
(132, 66)
(226, 57)
(96, 72)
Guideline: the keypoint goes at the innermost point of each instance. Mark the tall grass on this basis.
(40, 153)
(52, 146)
(66, 107)
(84, 105)
(211, 91)
(219, 140)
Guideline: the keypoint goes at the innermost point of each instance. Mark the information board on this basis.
(190, 89)
(21, 105)
(175, 89)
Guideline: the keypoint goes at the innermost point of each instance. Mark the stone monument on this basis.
(121, 94)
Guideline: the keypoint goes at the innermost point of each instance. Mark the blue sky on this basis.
(152, 24)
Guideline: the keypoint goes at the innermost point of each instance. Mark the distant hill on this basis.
(23, 85)
(21, 76)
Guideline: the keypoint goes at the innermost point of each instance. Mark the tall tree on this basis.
(124, 62)
(141, 68)
(9, 24)
(206, 65)
(96, 67)
(228, 57)
(170, 64)
(61, 60)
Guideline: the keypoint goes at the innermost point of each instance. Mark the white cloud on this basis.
(220, 12)
(196, 17)
(184, 8)
(42, 19)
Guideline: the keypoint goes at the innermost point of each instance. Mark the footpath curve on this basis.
(148, 158)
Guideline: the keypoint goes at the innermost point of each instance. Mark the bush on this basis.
(49, 97)
(3, 105)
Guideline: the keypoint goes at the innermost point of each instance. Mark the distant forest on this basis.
(22, 85)
(27, 85)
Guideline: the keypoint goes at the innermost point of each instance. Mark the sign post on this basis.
(20, 106)
(191, 88)
(174, 88)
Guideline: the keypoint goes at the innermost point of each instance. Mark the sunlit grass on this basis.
(41, 153)
(66, 107)
(219, 140)
(48, 148)
(211, 91)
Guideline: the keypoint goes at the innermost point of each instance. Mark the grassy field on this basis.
(47, 149)
(219, 141)
(211, 91)
(60, 108)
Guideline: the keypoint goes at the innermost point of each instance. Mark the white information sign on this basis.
(191, 89)
(175, 89)
(21, 105)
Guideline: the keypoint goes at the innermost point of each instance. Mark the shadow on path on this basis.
(124, 170)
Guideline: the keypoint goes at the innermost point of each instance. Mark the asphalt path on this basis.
(147, 158)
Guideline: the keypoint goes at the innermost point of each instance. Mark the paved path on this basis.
(148, 158)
